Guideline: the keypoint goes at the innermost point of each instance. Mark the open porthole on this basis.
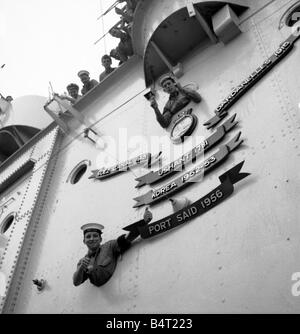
(7, 223)
(78, 171)
(293, 15)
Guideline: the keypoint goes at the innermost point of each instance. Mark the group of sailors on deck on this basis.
(121, 53)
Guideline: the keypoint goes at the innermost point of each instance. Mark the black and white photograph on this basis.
(149, 160)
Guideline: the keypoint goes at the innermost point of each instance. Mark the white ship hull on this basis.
(242, 256)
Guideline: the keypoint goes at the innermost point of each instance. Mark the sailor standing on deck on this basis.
(88, 83)
(100, 262)
(73, 96)
(106, 63)
(73, 90)
(179, 97)
(124, 48)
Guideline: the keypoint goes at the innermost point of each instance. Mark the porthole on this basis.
(293, 16)
(7, 223)
(78, 171)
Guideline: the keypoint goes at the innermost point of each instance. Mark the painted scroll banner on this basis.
(205, 203)
(184, 160)
(193, 175)
(251, 80)
(146, 158)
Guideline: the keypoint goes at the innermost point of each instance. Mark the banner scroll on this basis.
(147, 159)
(205, 203)
(193, 175)
(251, 80)
(184, 160)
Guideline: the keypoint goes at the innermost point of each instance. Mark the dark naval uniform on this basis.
(88, 86)
(177, 101)
(104, 261)
(106, 73)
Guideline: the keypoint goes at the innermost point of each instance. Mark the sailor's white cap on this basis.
(165, 77)
(80, 73)
(91, 227)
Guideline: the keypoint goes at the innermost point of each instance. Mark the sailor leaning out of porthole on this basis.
(100, 262)
(179, 97)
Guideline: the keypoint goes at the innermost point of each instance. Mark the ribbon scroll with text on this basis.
(251, 80)
(193, 175)
(205, 203)
(184, 160)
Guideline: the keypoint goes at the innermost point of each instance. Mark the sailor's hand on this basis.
(62, 97)
(153, 102)
(89, 269)
(85, 263)
(147, 215)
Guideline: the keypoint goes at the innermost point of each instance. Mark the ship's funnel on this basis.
(29, 111)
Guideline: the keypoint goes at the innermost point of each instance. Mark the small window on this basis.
(78, 172)
(293, 16)
(7, 223)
